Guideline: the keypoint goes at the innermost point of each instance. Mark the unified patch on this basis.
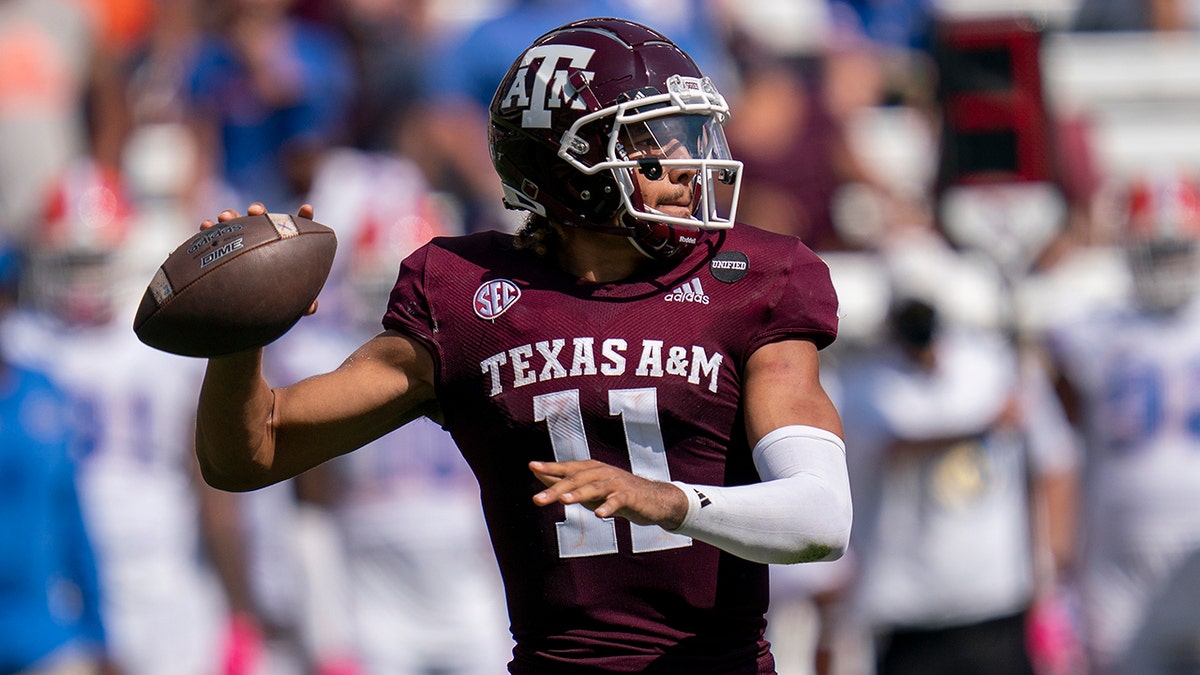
(729, 266)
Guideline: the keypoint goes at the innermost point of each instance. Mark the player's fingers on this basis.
(547, 479)
(555, 487)
(256, 209)
(546, 469)
(305, 211)
(564, 468)
(205, 224)
(588, 493)
(562, 478)
(312, 309)
(588, 488)
(611, 506)
(227, 214)
(572, 474)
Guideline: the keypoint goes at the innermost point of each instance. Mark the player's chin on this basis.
(675, 211)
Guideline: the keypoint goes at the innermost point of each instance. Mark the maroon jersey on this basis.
(644, 374)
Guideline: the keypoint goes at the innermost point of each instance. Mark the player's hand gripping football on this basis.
(609, 491)
(258, 209)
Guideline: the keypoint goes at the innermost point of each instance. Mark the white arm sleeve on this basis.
(800, 512)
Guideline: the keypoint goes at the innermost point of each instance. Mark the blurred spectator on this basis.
(795, 153)
(801, 165)
(122, 23)
(160, 153)
(138, 478)
(896, 24)
(50, 593)
(392, 41)
(956, 448)
(159, 64)
(1127, 376)
(60, 98)
(1134, 15)
(268, 94)
(805, 75)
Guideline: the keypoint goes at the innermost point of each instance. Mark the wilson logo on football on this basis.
(692, 291)
(494, 297)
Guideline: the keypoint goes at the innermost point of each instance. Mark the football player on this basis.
(632, 377)
(1129, 377)
(138, 487)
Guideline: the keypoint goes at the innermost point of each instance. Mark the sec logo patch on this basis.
(494, 297)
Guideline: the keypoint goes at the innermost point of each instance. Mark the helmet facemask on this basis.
(675, 137)
(1166, 273)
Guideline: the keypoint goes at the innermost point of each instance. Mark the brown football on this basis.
(236, 286)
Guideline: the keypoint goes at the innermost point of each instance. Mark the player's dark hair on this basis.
(537, 235)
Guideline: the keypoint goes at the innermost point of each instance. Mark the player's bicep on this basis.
(783, 388)
(386, 383)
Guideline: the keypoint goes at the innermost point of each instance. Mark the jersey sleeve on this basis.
(804, 303)
(408, 309)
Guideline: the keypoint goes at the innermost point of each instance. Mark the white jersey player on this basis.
(419, 586)
(963, 504)
(951, 443)
(422, 590)
(1132, 375)
(138, 489)
(138, 485)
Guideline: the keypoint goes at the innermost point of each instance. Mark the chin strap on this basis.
(659, 241)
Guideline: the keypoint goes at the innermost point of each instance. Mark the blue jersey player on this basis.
(49, 588)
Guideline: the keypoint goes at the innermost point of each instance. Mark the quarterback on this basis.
(632, 377)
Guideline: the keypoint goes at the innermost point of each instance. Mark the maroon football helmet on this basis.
(590, 103)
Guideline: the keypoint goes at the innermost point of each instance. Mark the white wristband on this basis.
(800, 512)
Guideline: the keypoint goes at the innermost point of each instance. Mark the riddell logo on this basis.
(692, 291)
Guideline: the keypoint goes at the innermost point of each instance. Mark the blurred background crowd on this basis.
(1005, 191)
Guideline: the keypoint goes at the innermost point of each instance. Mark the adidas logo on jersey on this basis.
(692, 291)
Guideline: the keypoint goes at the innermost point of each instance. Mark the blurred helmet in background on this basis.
(73, 265)
(383, 209)
(1162, 239)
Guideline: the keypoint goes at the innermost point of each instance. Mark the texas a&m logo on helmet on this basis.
(559, 76)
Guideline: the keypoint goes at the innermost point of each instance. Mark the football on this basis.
(236, 286)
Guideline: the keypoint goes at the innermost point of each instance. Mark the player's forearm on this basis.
(234, 443)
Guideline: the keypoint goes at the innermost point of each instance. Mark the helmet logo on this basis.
(494, 297)
(551, 83)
